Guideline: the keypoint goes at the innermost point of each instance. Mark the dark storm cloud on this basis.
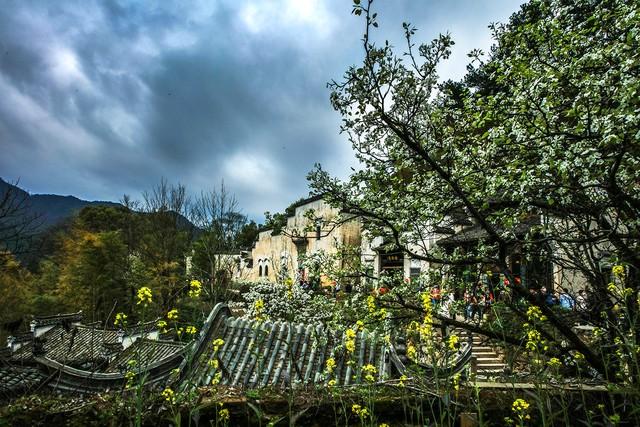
(104, 98)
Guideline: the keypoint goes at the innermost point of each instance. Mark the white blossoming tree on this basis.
(545, 126)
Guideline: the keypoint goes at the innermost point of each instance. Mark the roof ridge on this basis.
(176, 343)
(59, 315)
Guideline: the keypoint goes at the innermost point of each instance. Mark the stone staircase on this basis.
(487, 360)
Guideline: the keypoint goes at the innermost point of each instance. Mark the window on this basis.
(260, 270)
(266, 270)
(414, 268)
(391, 260)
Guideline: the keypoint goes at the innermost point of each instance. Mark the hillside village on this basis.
(477, 265)
(316, 251)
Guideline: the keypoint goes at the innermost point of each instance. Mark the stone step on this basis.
(485, 372)
(482, 350)
(489, 366)
(488, 359)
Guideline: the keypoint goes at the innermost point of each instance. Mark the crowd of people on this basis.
(477, 300)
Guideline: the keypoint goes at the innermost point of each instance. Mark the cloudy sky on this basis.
(103, 98)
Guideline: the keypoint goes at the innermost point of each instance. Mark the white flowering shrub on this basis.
(289, 302)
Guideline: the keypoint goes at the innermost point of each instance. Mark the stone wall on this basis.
(315, 226)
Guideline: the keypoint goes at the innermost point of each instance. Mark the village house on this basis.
(315, 226)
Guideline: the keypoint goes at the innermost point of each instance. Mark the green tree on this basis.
(247, 235)
(15, 288)
(92, 274)
(45, 300)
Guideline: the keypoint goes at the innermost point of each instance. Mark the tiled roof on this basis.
(20, 338)
(140, 328)
(280, 354)
(58, 319)
(5, 353)
(147, 352)
(256, 355)
(75, 346)
(476, 232)
(15, 380)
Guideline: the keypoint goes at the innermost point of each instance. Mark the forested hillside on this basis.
(94, 259)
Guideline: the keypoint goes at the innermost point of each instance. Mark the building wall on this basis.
(277, 252)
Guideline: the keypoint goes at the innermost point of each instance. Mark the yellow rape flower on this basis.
(403, 380)
(216, 378)
(129, 376)
(520, 406)
(371, 304)
(369, 371)
(169, 395)
(191, 330)
(411, 351)
(330, 365)
(162, 325)
(121, 320)
(258, 308)
(361, 412)
(554, 362)
(144, 296)
(534, 312)
(224, 415)
(217, 343)
(350, 341)
(426, 331)
(195, 288)
(453, 342)
(618, 270)
(426, 302)
(332, 383)
(350, 346)
(289, 284)
(173, 314)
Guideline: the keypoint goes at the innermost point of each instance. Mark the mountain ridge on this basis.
(50, 209)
